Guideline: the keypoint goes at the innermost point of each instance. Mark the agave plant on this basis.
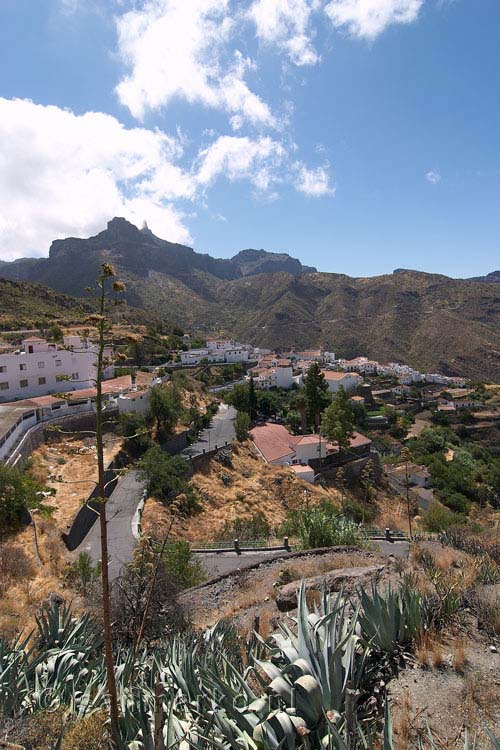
(307, 687)
(391, 619)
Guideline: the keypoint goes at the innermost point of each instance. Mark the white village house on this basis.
(40, 368)
(216, 352)
(349, 380)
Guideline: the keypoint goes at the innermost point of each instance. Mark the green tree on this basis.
(337, 424)
(137, 352)
(133, 427)
(293, 419)
(299, 402)
(167, 478)
(252, 399)
(242, 425)
(239, 397)
(19, 494)
(316, 393)
(165, 408)
(54, 333)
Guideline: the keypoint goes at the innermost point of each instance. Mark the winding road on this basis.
(123, 502)
(120, 511)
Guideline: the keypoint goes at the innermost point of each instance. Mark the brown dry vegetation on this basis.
(27, 581)
(74, 461)
(255, 487)
(252, 593)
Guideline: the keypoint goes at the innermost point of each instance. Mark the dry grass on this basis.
(437, 655)
(29, 584)
(75, 462)
(459, 655)
(392, 513)
(254, 487)
(403, 724)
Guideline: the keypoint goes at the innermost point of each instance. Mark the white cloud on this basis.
(369, 18)
(312, 182)
(433, 176)
(179, 48)
(287, 24)
(241, 158)
(64, 174)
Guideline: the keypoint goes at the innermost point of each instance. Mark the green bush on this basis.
(19, 493)
(167, 479)
(320, 526)
(256, 527)
(438, 518)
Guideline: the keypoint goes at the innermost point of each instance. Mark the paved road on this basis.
(220, 432)
(229, 562)
(120, 511)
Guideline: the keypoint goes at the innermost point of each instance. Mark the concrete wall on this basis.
(88, 513)
(40, 433)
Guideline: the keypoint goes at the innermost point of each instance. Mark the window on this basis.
(4, 386)
(23, 383)
(74, 376)
(58, 362)
(23, 367)
(41, 381)
(41, 365)
(3, 368)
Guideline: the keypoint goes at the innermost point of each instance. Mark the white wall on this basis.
(138, 405)
(350, 381)
(284, 377)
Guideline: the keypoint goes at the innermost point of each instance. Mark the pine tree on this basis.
(252, 399)
(337, 424)
(316, 393)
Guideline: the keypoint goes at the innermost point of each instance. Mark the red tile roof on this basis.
(333, 375)
(273, 441)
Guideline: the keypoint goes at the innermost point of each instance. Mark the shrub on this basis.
(488, 571)
(166, 478)
(359, 512)
(320, 526)
(256, 527)
(438, 518)
(81, 574)
(90, 733)
(19, 493)
(242, 425)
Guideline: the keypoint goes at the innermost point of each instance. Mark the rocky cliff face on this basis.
(138, 252)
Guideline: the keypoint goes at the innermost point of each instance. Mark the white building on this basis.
(216, 352)
(40, 368)
(133, 401)
(359, 364)
(349, 380)
(280, 376)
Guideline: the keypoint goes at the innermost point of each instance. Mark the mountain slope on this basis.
(27, 305)
(427, 320)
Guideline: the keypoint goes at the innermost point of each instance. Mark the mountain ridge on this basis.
(430, 321)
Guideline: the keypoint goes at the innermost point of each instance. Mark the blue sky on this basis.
(358, 135)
